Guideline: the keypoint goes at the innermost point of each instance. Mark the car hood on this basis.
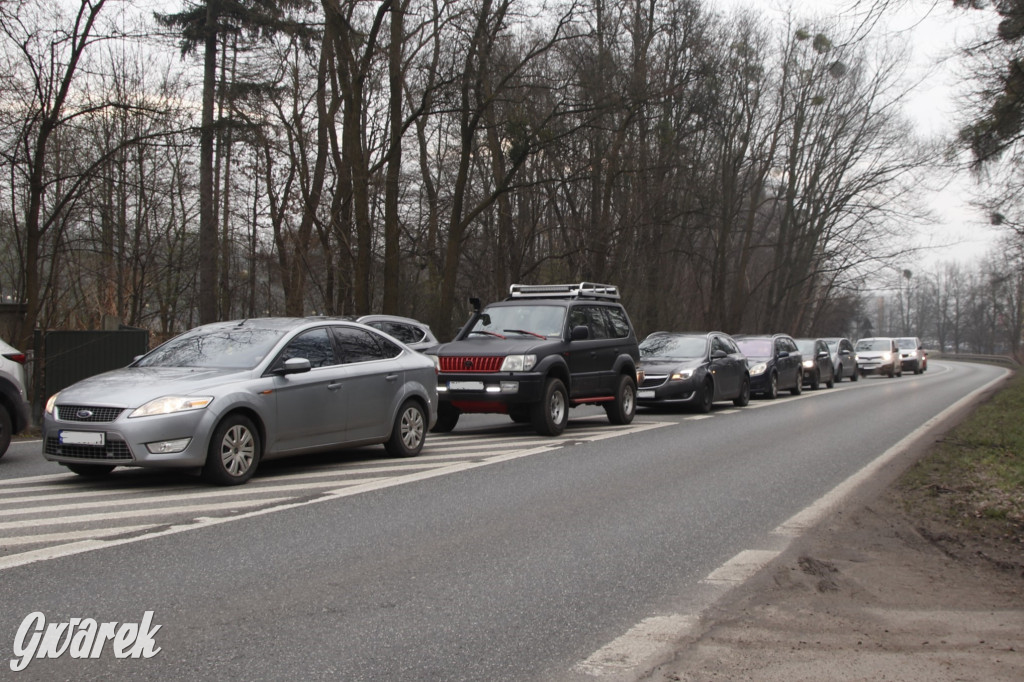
(135, 386)
(491, 345)
(871, 354)
(666, 365)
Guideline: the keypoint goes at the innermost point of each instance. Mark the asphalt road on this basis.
(494, 555)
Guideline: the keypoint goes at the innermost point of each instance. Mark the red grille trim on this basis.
(471, 363)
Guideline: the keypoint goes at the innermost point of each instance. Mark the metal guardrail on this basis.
(1003, 360)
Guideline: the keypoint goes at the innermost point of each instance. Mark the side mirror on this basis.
(293, 366)
(718, 354)
(579, 333)
(823, 354)
(783, 354)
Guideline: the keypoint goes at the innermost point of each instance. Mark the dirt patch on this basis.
(879, 593)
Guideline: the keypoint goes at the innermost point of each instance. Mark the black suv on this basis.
(542, 350)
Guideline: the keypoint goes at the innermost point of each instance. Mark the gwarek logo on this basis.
(82, 638)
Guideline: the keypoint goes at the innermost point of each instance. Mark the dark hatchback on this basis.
(775, 364)
(693, 369)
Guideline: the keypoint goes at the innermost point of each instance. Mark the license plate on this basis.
(644, 394)
(466, 385)
(82, 438)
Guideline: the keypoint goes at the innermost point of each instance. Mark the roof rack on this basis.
(581, 290)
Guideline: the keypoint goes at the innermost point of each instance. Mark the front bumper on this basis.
(760, 383)
(123, 441)
(491, 392)
(660, 390)
(876, 367)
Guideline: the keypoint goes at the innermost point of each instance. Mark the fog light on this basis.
(168, 447)
(510, 387)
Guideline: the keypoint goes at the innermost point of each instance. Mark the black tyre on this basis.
(799, 387)
(6, 428)
(743, 399)
(90, 470)
(234, 451)
(837, 375)
(773, 387)
(815, 382)
(855, 375)
(622, 409)
(706, 397)
(831, 383)
(409, 431)
(551, 414)
(447, 418)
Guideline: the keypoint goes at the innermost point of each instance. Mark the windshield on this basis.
(907, 343)
(539, 320)
(833, 346)
(874, 344)
(805, 347)
(669, 346)
(755, 348)
(233, 348)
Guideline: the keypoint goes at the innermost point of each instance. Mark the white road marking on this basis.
(624, 656)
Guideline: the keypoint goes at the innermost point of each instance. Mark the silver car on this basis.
(14, 409)
(224, 396)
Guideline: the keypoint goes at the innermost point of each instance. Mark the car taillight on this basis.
(19, 358)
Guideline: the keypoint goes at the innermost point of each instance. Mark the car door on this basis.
(788, 361)
(370, 378)
(311, 407)
(728, 370)
(589, 359)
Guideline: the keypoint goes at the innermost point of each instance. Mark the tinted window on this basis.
(545, 320)
(591, 317)
(357, 345)
(618, 321)
(755, 348)
(313, 345)
(729, 346)
(406, 333)
(671, 346)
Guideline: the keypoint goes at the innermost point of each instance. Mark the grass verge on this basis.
(968, 491)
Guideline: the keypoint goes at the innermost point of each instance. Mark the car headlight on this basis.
(758, 369)
(809, 364)
(518, 363)
(886, 357)
(51, 403)
(681, 375)
(171, 404)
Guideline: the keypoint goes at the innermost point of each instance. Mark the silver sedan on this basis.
(224, 396)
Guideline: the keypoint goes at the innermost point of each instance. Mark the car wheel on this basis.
(838, 374)
(799, 388)
(551, 414)
(815, 382)
(743, 399)
(447, 418)
(831, 383)
(855, 376)
(707, 397)
(6, 426)
(90, 470)
(773, 387)
(409, 431)
(917, 368)
(622, 409)
(234, 451)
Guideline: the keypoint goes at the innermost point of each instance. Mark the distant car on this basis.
(412, 333)
(844, 358)
(878, 355)
(913, 356)
(14, 408)
(695, 369)
(774, 362)
(225, 396)
(818, 366)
